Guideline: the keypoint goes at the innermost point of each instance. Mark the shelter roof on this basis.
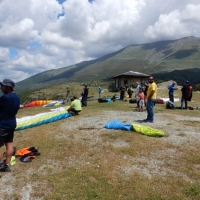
(132, 73)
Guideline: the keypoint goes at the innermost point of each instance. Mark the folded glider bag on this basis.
(37, 103)
(146, 130)
(116, 124)
(39, 119)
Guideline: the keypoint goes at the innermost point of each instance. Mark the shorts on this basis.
(6, 136)
(141, 103)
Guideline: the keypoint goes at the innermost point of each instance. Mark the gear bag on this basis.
(27, 153)
(170, 105)
(189, 97)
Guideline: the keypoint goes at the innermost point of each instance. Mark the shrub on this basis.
(197, 88)
(159, 81)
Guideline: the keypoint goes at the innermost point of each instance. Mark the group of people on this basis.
(10, 103)
(145, 96)
(186, 91)
(76, 104)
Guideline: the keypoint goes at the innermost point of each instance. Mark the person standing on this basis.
(68, 95)
(9, 106)
(137, 91)
(146, 86)
(141, 101)
(171, 89)
(130, 91)
(84, 96)
(99, 91)
(184, 91)
(151, 99)
(122, 92)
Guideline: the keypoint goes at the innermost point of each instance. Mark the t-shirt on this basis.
(141, 95)
(152, 87)
(137, 89)
(171, 88)
(76, 104)
(85, 92)
(185, 90)
(9, 106)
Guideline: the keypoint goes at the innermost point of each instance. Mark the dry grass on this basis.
(82, 160)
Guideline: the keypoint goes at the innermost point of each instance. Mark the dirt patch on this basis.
(90, 129)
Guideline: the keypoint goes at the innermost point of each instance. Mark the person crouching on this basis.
(75, 107)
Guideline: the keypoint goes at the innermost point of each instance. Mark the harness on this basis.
(27, 153)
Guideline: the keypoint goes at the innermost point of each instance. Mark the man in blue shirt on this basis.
(9, 105)
(171, 91)
(99, 91)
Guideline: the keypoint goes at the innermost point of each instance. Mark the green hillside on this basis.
(159, 58)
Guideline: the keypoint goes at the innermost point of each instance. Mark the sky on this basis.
(40, 35)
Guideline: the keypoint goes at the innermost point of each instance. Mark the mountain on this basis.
(163, 59)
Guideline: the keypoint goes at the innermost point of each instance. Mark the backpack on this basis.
(189, 97)
(102, 100)
(27, 153)
(132, 101)
(170, 105)
(160, 101)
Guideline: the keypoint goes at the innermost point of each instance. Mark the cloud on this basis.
(4, 55)
(175, 24)
(48, 35)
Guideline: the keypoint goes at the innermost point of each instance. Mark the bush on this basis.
(159, 81)
(197, 88)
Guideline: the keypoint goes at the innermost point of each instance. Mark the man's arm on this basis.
(175, 88)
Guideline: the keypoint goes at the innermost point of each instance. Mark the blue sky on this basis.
(12, 53)
(41, 35)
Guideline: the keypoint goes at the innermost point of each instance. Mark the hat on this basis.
(8, 82)
(186, 82)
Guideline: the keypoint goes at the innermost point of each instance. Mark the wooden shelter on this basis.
(130, 78)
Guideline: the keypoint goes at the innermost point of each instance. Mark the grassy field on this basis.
(82, 160)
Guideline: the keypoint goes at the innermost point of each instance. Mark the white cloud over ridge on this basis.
(48, 35)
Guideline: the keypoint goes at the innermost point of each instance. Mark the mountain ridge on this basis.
(158, 58)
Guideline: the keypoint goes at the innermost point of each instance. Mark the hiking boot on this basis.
(5, 168)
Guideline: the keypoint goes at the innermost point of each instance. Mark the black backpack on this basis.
(170, 105)
(132, 101)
